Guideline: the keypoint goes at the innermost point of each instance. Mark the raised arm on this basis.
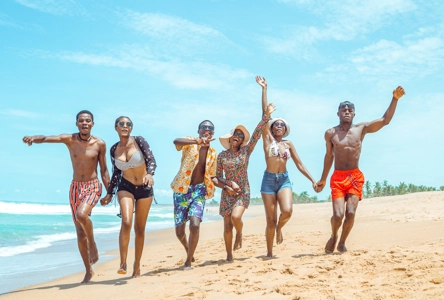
(301, 167)
(377, 124)
(260, 127)
(328, 160)
(102, 163)
(38, 139)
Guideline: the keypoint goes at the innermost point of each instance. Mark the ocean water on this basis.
(38, 240)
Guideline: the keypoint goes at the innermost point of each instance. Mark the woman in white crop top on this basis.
(133, 169)
(276, 186)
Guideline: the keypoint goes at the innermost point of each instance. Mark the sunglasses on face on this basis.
(128, 124)
(239, 134)
(207, 127)
(277, 124)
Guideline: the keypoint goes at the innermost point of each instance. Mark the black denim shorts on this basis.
(138, 191)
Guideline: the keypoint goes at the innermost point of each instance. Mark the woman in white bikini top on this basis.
(276, 188)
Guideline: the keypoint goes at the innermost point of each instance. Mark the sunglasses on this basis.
(276, 124)
(128, 124)
(207, 127)
(239, 134)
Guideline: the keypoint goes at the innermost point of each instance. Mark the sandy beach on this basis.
(395, 252)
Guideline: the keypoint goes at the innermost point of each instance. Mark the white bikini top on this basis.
(135, 161)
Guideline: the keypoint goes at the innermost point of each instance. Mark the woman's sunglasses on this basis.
(128, 124)
(239, 134)
(276, 124)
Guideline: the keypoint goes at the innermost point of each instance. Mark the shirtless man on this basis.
(344, 143)
(86, 152)
(193, 185)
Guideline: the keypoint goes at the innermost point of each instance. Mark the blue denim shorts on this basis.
(272, 183)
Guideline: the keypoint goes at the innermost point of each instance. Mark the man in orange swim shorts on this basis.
(344, 144)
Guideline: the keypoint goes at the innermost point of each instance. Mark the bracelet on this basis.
(224, 188)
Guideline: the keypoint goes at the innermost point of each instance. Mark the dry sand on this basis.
(396, 251)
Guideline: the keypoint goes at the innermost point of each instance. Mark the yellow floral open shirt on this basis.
(190, 158)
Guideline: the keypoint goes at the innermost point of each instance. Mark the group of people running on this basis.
(202, 170)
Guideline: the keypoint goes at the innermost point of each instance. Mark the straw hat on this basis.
(224, 140)
(287, 127)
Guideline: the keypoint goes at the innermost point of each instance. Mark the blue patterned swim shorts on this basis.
(189, 205)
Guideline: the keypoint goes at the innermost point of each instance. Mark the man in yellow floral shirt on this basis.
(193, 185)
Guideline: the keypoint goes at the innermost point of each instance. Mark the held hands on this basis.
(398, 92)
(232, 188)
(148, 180)
(106, 200)
(319, 186)
(261, 81)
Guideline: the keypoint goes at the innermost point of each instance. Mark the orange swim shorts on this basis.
(84, 191)
(344, 182)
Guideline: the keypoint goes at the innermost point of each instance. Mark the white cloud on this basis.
(6, 21)
(340, 21)
(18, 113)
(173, 35)
(54, 7)
(187, 75)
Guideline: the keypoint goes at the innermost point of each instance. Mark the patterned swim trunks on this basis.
(345, 182)
(84, 191)
(189, 205)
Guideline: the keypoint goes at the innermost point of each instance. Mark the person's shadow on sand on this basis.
(68, 286)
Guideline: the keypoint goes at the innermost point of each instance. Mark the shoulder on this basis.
(99, 141)
(361, 125)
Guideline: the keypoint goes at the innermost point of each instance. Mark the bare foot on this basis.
(341, 247)
(93, 254)
(279, 236)
(330, 246)
(270, 254)
(187, 267)
(122, 269)
(238, 242)
(192, 259)
(88, 275)
(136, 272)
(229, 257)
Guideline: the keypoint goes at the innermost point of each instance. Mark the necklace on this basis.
(80, 139)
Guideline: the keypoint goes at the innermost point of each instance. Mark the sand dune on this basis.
(396, 251)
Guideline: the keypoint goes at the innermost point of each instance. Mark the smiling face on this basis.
(237, 138)
(85, 123)
(278, 128)
(206, 130)
(124, 126)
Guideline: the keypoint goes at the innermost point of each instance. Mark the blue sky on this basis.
(171, 64)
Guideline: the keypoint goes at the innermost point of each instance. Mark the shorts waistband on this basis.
(276, 174)
(347, 171)
(134, 185)
(85, 182)
(193, 187)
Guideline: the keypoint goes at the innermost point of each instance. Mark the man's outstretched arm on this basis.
(377, 124)
(38, 139)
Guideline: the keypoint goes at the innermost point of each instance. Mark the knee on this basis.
(81, 217)
(194, 228)
(350, 215)
(337, 217)
(180, 234)
(286, 214)
(271, 222)
(236, 219)
(126, 224)
(228, 227)
(139, 230)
